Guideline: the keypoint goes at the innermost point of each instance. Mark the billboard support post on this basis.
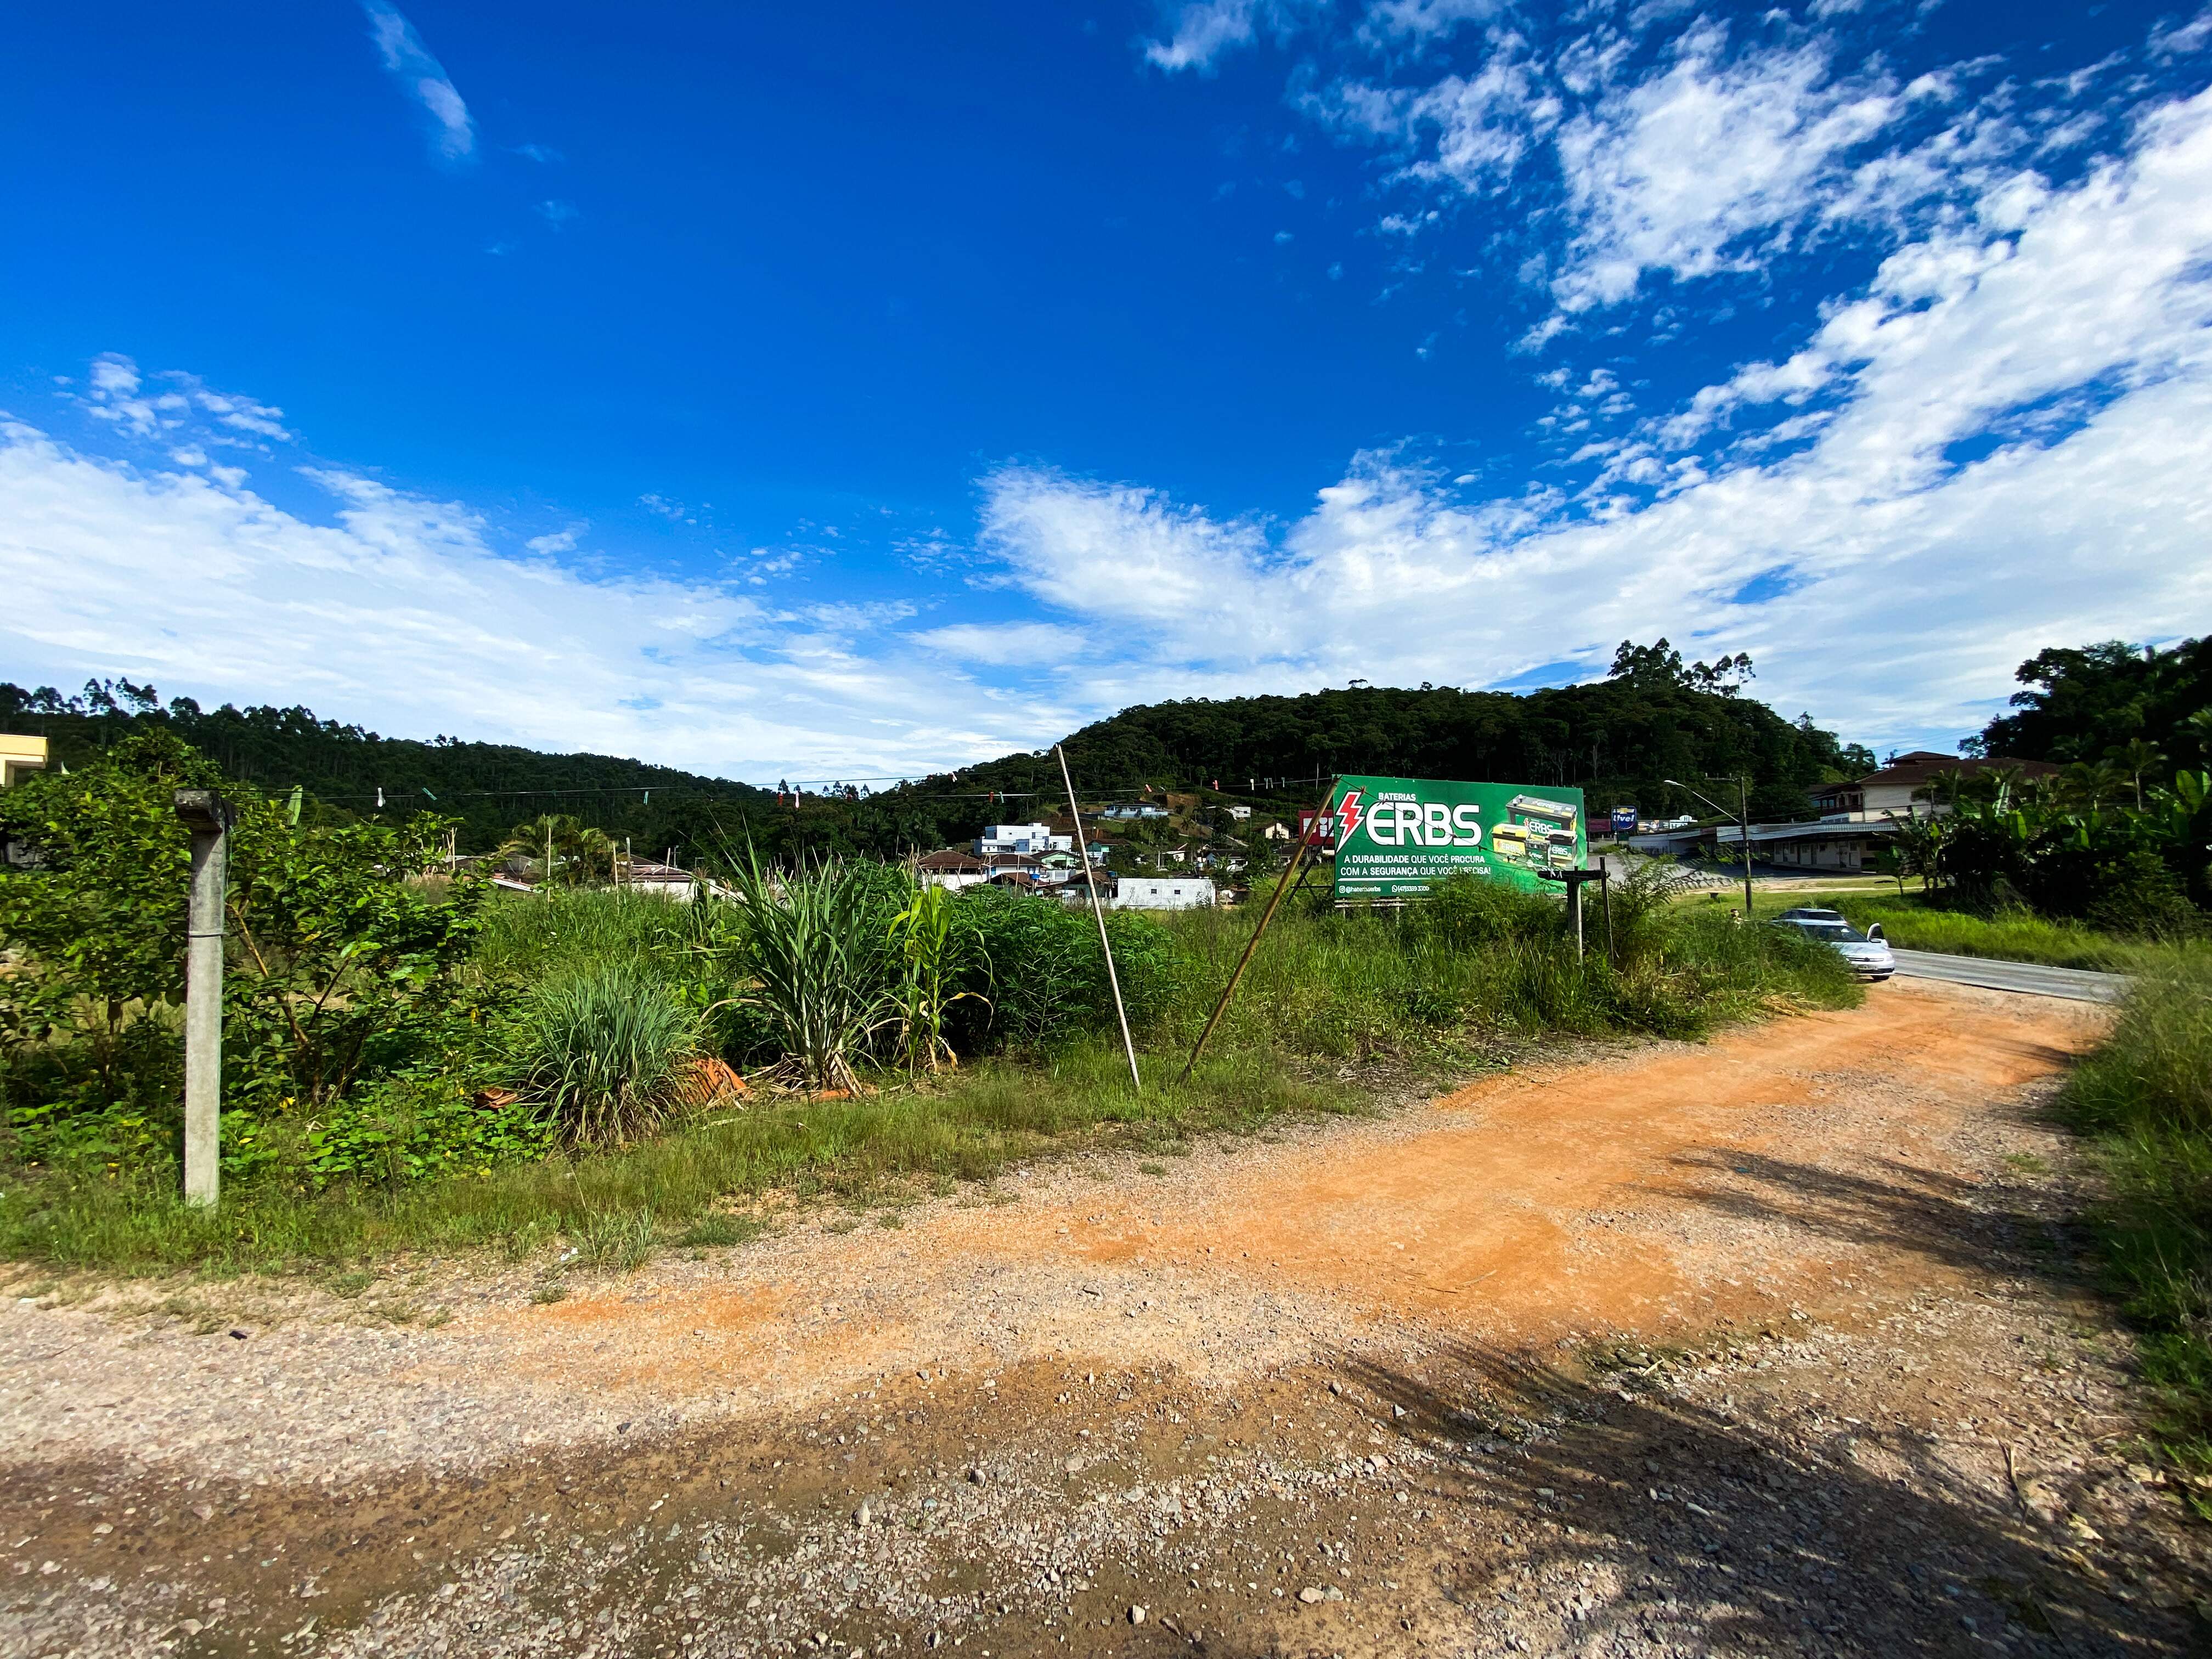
(1098, 914)
(1305, 841)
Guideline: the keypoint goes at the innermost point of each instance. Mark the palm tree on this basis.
(563, 850)
(2135, 757)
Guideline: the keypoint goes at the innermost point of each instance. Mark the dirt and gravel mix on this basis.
(1785, 1344)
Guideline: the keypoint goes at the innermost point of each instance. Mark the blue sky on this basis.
(835, 393)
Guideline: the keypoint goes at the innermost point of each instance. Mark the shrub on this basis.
(597, 1053)
(1044, 976)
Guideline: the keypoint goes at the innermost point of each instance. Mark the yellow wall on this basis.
(18, 756)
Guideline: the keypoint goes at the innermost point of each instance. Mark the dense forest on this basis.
(2084, 702)
(1652, 718)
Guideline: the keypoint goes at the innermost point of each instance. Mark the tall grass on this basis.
(817, 966)
(2146, 1096)
(599, 1051)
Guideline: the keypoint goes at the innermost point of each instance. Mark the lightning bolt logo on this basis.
(1347, 814)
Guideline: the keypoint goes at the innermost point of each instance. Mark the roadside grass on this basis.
(2146, 1097)
(616, 1207)
(2010, 936)
(1340, 1013)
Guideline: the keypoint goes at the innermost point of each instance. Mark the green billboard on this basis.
(1397, 837)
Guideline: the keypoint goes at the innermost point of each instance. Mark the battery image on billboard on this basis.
(1397, 837)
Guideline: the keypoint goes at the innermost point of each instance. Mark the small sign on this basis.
(1624, 820)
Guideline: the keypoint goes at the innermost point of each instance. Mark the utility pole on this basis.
(1098, 915)
(209, 816)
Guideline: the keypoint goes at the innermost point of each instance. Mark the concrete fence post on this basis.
(208, 815)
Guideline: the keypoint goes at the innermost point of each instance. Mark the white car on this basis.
(1867, 953)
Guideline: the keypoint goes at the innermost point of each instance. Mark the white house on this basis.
(1027, 839)
(1163, 893)
(952, 868)
(1240, 813)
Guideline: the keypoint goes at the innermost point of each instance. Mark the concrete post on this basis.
(208, 815)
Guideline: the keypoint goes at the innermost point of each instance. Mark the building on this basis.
(1024, 839)
(1135, 810)
(1898, 787)
(19, 756)
(1240, 813)
(1276, 832)
(1849, 847)
(952, 868)
(1164, 893)
(651, 876)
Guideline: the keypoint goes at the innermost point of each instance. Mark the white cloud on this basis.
(400, 612)
(2179, 40)
(560, 541)
(1704, 167)
(2067, 331)
(1007, 645)
(1203, 31)
(425, 80)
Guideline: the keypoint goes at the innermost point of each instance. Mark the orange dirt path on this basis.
(1647, 1194)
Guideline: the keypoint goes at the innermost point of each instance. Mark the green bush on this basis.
(597, 1053)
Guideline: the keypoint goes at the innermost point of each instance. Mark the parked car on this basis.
(1868, 953)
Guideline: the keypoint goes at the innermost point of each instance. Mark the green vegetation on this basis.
(2146, 1096)
(2011, 935)
(417, 1067)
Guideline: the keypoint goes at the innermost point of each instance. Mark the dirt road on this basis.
(1778, 1345)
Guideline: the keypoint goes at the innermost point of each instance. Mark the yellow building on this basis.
(19, 756)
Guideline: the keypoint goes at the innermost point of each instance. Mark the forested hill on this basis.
(489, 787)
(1653, 717)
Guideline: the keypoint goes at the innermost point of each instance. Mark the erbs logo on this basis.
(1403, 822)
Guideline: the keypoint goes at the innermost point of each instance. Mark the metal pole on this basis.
(1743, 816)
(1574, 898)
(1605, 897)
(208, 817)
(1329, 805)
(1098, 915)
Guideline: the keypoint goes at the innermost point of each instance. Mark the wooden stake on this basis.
(1306, 841)
(1098, 915)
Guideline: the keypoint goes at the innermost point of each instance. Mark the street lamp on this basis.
(1743, 819)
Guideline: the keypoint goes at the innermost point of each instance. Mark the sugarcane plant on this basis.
(812, 960)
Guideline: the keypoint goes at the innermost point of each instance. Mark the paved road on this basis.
(2031, 977)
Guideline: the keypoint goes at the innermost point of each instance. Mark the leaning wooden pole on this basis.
(1098, 915)
(1305, 841)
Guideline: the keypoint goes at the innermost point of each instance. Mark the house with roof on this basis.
(1898, 787)
(1026, 840)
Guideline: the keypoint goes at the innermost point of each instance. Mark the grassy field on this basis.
(2146, 1096)
(1338, 1011)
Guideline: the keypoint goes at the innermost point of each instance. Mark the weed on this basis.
(714, 1230)
(1152, 1169)
(551, 1291)
(619, 1238)
(352, 1284)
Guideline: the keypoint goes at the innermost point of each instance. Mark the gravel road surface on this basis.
(1785, 1344)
